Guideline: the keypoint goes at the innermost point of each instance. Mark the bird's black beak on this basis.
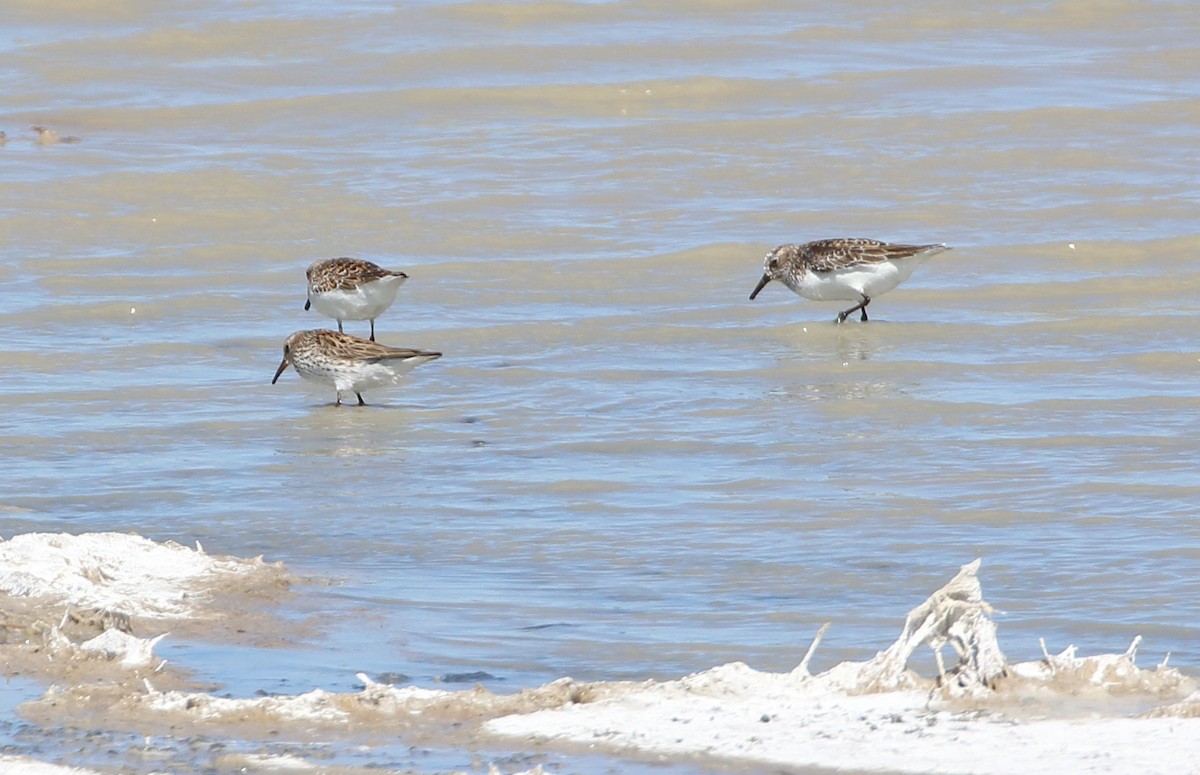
(307, 304)
(766, 278)
(279, 371)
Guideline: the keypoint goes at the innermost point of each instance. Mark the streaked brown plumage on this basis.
(351, 289)
(850, 269)
(348, 363)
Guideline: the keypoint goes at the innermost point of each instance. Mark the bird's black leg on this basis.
(338, 402)
(372, 330)
(360, 401)
(340, 331)
(841, 318)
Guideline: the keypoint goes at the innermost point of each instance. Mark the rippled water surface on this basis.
(622, 468)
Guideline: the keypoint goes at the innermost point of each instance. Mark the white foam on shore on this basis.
(20, 765)
(735, 713)
(112, 571)
(1064, 713)
(71, 603)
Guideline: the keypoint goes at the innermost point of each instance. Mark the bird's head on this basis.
(287, 357)
(775, 266)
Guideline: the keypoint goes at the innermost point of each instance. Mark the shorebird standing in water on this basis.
(48, 136)
(346, 362)
(849, 269)
(351, 289)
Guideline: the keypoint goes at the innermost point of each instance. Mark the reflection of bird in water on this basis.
(3, 138)
(852, 269)
(48, 136)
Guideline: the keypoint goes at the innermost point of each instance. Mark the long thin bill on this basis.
(279, 371)
(766, 278)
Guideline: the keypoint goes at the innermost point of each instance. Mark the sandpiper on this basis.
(47, 136)
(348, 363)
(351, 289)
(849, 269)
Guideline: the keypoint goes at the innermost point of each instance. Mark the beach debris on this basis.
(1108, 674)
(128, 651)
(955, 615)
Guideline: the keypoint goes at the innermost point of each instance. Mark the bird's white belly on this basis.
(853, 282)
(366, 302)
(367, 376)
(350, 375)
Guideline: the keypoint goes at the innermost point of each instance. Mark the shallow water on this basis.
(622, 468)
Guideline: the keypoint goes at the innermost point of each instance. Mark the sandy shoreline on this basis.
(1099, 714)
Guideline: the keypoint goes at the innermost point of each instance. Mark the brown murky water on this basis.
(622, 468)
